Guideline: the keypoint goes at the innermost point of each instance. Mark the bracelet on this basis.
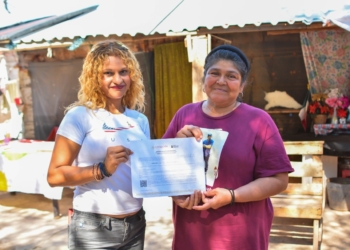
(100, 175)
(97, 176)
(103, 169)
(232, 192)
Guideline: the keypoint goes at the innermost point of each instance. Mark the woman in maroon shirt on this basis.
(236, 212)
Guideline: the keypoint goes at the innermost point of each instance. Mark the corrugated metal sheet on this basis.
(116, 17)
(159, 16)
(8, 31)
(224, 13)
(20, 30)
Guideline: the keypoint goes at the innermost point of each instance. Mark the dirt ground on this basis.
(27, 223)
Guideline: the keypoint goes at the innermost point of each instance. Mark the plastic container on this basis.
(338, 193)
(343, 167)
(18, 101)
(7, 138)
(344, 163)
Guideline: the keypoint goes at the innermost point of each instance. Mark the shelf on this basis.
(283, 111)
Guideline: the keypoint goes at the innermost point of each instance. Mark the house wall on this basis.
(10, 120)
(62, 55)
(276, 64)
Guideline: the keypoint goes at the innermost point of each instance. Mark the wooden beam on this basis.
(283, 111)
(199, 52)
(284, 32)
(222, 39)
(315, 189)
(35, 46)
(298, 208)
(304, 148)
(283, 27)
(307, 169)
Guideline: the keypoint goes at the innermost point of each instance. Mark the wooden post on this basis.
(197, 48)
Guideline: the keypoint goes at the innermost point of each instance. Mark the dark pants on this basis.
(206, 159)
(95, 231)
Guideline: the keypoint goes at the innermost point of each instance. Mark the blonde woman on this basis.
(91, 151)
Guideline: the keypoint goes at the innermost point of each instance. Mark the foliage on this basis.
(337, 101)
(318, 104)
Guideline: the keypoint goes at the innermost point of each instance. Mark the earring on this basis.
(241, 94)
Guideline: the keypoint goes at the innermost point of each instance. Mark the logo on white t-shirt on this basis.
(111, 129)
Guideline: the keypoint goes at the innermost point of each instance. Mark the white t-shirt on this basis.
(95, 130)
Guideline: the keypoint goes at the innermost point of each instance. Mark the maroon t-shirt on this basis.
(253, 149)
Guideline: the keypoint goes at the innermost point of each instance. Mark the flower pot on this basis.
(342, 120)
(320, 119)
(338, 192)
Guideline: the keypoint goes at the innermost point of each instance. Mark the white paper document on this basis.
(166, 167)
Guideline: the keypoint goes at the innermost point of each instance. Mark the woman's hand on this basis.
(188, 201)
(214, 198)
(190, 131)
(116, 155)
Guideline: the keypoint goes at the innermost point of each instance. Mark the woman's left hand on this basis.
(214, 198)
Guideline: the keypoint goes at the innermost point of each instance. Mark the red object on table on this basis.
(25, 140)
(345, 173)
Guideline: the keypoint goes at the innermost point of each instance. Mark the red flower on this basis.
(324, 109)
(341, 113)
(312, 108)
(318, 105)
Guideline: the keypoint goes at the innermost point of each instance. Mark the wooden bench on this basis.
(304, 197)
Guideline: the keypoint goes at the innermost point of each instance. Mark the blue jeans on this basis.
(95, 231)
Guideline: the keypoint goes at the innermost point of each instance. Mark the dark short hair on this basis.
(231, 53)
(232, 49)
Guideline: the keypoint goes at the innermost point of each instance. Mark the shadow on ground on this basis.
(27, 223)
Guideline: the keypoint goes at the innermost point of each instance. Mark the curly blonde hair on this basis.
(90, 94)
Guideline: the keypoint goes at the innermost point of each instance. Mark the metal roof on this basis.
(158, 16)
(112, 18)
(191, 15)
(9, 34)
(11, 31)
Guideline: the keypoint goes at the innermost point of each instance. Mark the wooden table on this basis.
(325, 129)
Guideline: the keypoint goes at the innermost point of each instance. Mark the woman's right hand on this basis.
(114, 156)
(190, 131)
(188, 201)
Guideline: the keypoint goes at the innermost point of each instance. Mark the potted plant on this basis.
(339, 105)
(318, 109)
